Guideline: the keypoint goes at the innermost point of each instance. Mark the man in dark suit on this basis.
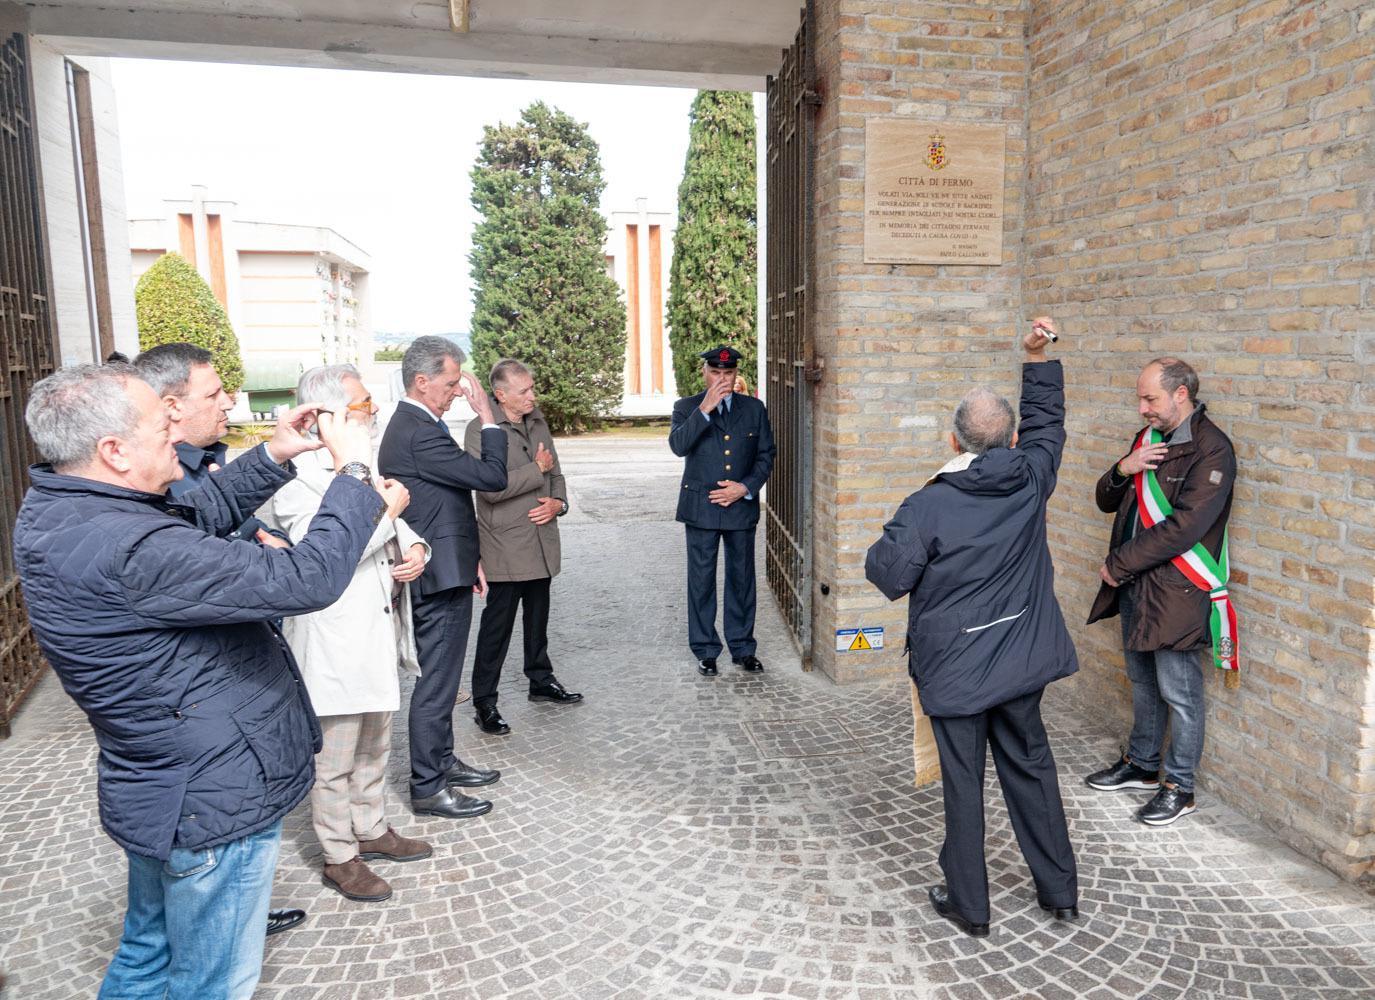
(418, 450)
(726, 439)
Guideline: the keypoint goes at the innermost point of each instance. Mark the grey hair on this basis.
(426, 356)
(1174, 373)
(984, 421)
(504, 369)
(324, 384)
(73, 408)
(167, 367)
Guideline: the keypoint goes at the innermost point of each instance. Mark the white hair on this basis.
(73, 408)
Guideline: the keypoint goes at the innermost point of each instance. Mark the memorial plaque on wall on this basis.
(933, 192)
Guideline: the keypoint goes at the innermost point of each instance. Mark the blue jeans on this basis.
(196, 922)
(1167, 687)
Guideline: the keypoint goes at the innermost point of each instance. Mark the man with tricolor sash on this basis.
(1166, 577)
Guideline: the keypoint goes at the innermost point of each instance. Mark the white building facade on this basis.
(297, 296)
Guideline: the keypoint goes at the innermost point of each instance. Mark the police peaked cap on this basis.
(721, 357)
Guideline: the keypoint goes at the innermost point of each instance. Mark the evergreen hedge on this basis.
(712, 283)
(541, 291)
(174, 305)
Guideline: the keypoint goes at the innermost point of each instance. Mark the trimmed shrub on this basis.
(175, 306)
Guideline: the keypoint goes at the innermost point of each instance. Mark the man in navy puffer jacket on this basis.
(158, 629)
(986, 634)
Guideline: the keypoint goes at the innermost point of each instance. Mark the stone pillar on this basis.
(1194, 178)
(901, 343)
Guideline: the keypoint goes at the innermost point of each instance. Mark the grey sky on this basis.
(381, 158)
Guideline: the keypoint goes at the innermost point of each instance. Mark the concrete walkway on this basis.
(677, 837)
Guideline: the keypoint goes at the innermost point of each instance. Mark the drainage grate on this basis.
(778, 739)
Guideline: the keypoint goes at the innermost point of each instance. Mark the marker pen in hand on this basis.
(1046, 330)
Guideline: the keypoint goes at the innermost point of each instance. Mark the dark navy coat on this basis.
(737, 445)
(441, 477)
(969, 551)
(159, 631)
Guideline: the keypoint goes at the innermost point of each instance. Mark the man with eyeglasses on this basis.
(349, 653)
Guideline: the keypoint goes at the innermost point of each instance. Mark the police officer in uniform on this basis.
(726, 439)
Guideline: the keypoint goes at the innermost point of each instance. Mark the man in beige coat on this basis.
(349, 654)
(518, 534)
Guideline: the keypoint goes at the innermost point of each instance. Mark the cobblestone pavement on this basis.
(679, 837)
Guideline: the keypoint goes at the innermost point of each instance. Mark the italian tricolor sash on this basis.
(1197, 564)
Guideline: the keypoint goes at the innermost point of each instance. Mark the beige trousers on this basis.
(350, 774)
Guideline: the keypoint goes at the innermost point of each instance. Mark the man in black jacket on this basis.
(418, 450)
(184, 376)
(985, 632)
(1183, 465)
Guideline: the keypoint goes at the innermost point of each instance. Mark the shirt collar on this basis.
(196, 458)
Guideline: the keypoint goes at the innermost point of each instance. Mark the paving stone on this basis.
(674, 837)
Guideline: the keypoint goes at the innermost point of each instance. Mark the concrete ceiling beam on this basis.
(339, 45)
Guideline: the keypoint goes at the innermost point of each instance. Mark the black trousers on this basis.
(1026, 770)
(494, 636)
(702, 546)
(441, 622)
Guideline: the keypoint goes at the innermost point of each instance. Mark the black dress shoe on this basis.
(489, 720)
(940, 899)
(1123, 774)
(470, 777)
(750, 664)
(554, 691)
(283, 920)
(707, 667)
(1060, 912)
(451, 805)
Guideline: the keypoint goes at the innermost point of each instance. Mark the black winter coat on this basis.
(159, 631)
(969, 550)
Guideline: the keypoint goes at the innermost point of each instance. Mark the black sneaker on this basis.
(1123, 774)
(1167, 806)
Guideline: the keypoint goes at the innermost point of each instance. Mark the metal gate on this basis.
(788, 335)
(27, 354)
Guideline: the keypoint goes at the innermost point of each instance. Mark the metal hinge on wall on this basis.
(813, 372)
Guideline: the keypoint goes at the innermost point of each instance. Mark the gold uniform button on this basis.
(727, 437)
(727, 451)
(728, 468)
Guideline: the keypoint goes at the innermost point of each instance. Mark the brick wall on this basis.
(900, 342)
(1201, 183)
(1187, 177)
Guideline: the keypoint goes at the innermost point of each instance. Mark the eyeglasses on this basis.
(365, 406)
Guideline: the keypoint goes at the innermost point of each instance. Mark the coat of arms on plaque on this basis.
(935, 152)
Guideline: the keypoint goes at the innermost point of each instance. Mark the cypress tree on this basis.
(174, 305)
(712, 283)
(542, 294)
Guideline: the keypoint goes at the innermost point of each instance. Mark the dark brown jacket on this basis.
(1197, 478)
(514, 547)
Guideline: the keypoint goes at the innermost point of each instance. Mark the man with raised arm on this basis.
(985, 633)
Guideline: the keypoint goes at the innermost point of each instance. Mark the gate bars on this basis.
(788, 334)
(27, 354)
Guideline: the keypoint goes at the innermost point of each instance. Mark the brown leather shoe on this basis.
(391, 846)
(355, 880)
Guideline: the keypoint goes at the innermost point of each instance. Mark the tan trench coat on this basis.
(513, 547)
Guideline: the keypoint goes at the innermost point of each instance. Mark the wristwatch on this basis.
(358, 470)
(565, 508)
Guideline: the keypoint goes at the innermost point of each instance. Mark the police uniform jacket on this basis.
(736, 445)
